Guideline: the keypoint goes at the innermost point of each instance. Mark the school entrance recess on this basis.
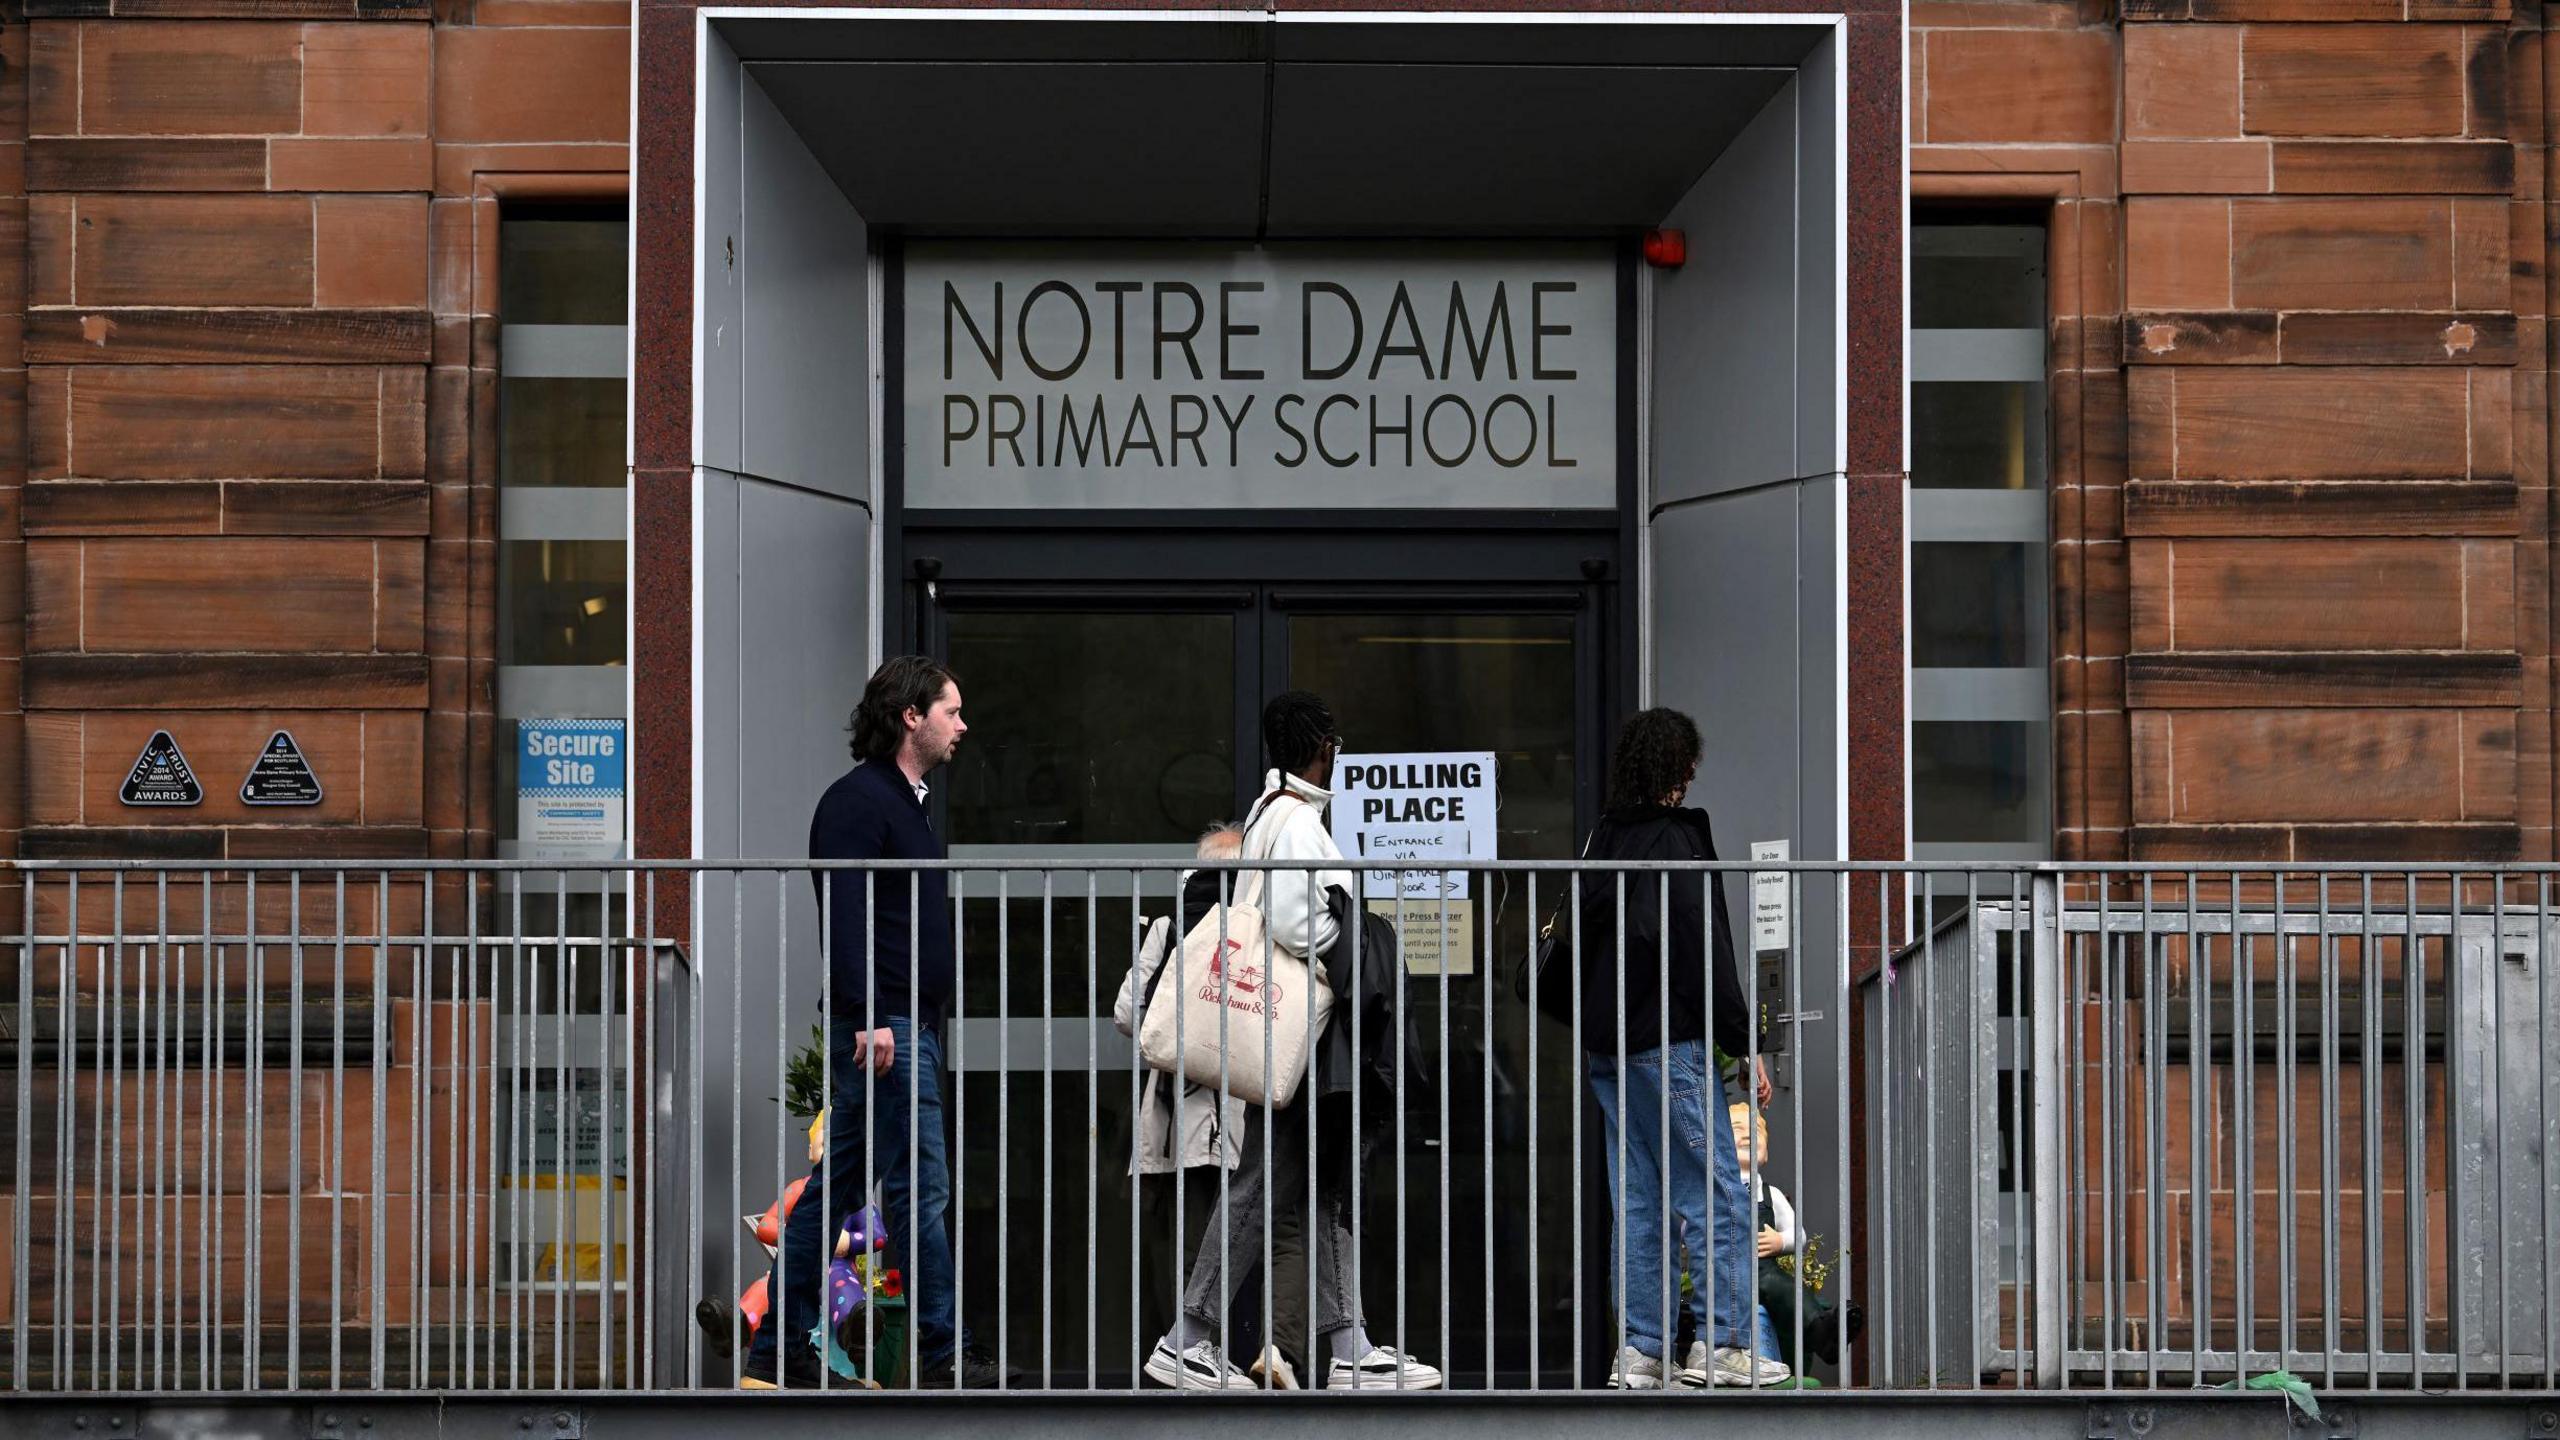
(1145, 366)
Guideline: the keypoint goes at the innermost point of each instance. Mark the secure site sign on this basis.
(570, 784)
(1434, 811)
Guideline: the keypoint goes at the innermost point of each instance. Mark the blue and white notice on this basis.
(570, 784)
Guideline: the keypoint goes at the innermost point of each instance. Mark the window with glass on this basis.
(563, 591)
(564, 1208)
(1981, 697)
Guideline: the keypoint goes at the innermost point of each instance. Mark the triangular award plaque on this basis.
(161, 776)
(280, 775)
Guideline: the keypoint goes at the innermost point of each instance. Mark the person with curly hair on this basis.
(1649, 1007)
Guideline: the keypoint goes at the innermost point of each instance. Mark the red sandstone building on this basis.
(2076, 429)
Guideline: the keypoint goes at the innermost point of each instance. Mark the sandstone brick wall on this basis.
(255, 485)
(2302, 406)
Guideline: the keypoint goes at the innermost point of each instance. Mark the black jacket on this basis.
(1381, 977)
(871, 813)
(1657, 832)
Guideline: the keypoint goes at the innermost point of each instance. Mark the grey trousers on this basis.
(1231, 1253)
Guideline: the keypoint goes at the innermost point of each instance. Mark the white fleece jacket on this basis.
(1294, 829)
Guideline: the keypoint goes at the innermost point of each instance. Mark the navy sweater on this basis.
(871, 813)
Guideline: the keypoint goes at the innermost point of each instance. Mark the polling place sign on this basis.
(570, 786)
(1433, 810)
(1295, 374)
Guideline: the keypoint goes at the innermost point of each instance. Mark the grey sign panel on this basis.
(1271, 377)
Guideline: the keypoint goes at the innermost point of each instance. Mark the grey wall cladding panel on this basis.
(785, 582)
(1495, 149)
(806, 305)
(1726, 325)
(1820, 442)
(1041, 149)
(720, 331)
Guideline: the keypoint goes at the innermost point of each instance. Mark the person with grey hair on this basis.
(1178, 1146)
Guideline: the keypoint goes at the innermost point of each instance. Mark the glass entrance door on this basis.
(1111, 723)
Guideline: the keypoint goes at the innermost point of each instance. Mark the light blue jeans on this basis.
(1694, 1189)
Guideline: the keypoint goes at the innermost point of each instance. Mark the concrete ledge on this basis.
(1988, 1415)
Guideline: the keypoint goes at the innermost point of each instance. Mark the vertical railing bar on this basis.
(1358, 1164)
(609, 1092)
(338, 1133)
(1484, 978)
(738, 1125)
(2154, 1142)
(2244, 1149)
(1884, 1227)
(113, 996)
(2543, 1130)
(1049, 1128)
(1137, 1182)
(1754, 1120)
(1662, 1036)
(1620, 1221)
(2108, 1015)
(1404, 1181)
(2412, 1131)
(695, 1118)
(1092, 1125)
(2327, 955)
(1529, 1017)
(1309, 1237)
(2369, 1066)
(2021, 1266)
(253, 1105)
(423, 1093)
(915, 1111)
(468, 1085)
(2286, 1058)
(162, 1164)
(1448, 1074)
(1973, 1189)
(960, 1112)
(1795, 1167)
(1840, 1125)
(524, 1058)
(1004, 1122)
(378, 1201)
(293, 1212)
(2199, 1166)
(66, 1122)
(2412, 1055)
(644, 1012)
(778, 1297)
(23, 1191)
(209, 1219)
(564, 1249)
(1574, 884)
(1925, 944)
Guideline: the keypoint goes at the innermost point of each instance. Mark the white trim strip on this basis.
(1978, 516)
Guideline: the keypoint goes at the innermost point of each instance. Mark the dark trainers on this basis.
(972, 1371)
(800, 1371)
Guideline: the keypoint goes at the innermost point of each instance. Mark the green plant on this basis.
(804, 1080)
(1817, 1271)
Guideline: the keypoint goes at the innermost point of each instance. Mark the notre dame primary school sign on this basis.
(1180, 376)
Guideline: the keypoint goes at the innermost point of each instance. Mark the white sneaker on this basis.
(1698, 1371)
(1635, 1370)
(1383, 1368)
(1737, 1366)
(1274, 1370)
(1199, 1367)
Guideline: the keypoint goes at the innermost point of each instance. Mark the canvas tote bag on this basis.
(1232, 966)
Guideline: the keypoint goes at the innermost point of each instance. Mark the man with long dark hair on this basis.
(889, 950)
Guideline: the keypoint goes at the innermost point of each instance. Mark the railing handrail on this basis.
(1071, 864)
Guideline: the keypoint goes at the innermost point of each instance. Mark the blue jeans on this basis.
(1702, 1179)
(924, 1258)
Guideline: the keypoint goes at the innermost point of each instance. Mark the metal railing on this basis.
(503, 1126)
